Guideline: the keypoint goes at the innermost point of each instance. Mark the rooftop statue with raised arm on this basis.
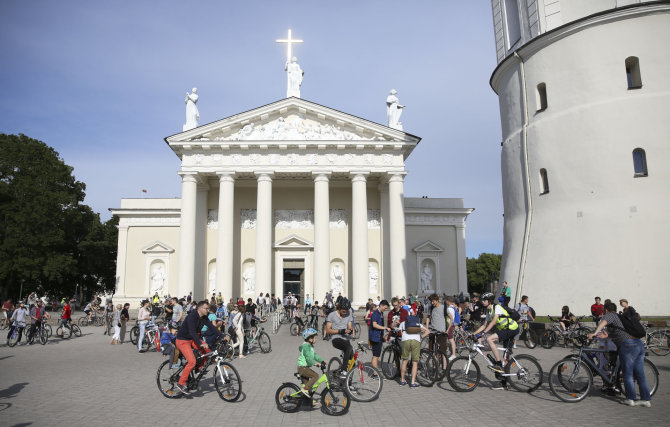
(294, 76)
(394, 110)
(192, 114)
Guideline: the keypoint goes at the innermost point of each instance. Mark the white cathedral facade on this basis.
(293, 197)
(584, 95)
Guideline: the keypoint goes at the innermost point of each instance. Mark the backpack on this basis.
(457, 317)
(412, 325)
(632, 326)
(511, 313)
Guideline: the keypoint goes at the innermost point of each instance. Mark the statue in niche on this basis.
(192, 114)
(394, 110)
(427, 278)
(212, 280)
(158, 279)
(337, 278)
(373, 275)
(249, 277)
(294, 75)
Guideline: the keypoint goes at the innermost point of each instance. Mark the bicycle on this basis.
(657, 341)
(16, 335)
(571, 378)
(289, 397)
(390, 361)
(41, 332)
(226, 378)
(523, 371)
(152, 337)
(65, 332)
(441, 355)
(260, 337)
(363, 383)
(528, 335)
(575, 334)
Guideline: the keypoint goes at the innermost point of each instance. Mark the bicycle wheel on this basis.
(526, 373)
(294, 329)
(227, 382)
(13, 338)
(357, 331)
(47, 327)
(425, 342)
(44, 336)
(334, 402)
(264, 342)
(286, 399)
(83, 321)
(548, 339)
(76, 330)
(442, 359)
(650, 373)
(146, 343)
(463, 374)
(579, 339)
(426, 374)
(63, 333)
(98, 321)
(530, 338)
(364, 383)
(283, 318)
(389, 363)
(167, 379)
(570, 379)
(134, 333)
(659, 343)
(334, 366)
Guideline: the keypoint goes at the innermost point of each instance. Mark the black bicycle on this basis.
(226, 378)
(427, 372)
(571, 378)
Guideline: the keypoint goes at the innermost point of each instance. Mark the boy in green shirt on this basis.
(309, 358)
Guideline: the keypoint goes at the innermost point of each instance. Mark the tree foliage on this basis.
(482, 271)
(49, 240)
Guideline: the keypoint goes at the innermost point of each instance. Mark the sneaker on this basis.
(403, 383)
(629, 402)
(452, 357)
(141, 351)
(498, 368)
(175, 366)
(305, 392)
(183, 389)
(414, 385)
(343, 375)
(499, 386)
(514, 346)
(644, 403)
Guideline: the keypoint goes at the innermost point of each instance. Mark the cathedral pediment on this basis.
(290, 119)
(293, 241)
(157, 247)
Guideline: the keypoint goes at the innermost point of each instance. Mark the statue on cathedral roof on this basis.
(294, 75)
(192, 113)
(394, 110)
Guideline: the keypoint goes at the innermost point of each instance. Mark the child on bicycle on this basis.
(168, 344)
(307, 359)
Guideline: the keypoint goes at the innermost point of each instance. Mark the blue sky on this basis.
(104, 82)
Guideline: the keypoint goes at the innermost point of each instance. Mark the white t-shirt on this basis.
(406, 336)
(451, 312)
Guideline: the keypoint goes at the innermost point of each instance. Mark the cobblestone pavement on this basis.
(87, 381)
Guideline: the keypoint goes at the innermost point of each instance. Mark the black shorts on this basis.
(506, 334)
(376, 348)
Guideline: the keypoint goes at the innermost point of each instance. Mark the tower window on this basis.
(640, 163)
(544, 182)
(512, 22)
(633, 76)
(541, 97)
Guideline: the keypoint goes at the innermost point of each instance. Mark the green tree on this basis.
(482, 270)
(49, 240)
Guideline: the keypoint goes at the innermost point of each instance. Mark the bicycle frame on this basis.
(506, 354)
(609, 378)
(322, 379)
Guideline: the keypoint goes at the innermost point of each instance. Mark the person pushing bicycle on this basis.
(188, 339)
(308, 358)
(340, 325)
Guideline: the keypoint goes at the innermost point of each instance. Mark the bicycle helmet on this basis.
(488, 296)
(308, 333)
(344, 304)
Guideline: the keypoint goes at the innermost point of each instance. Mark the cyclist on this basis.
(188, 339)
(297, 316)
(506, 328)
(524, 310)
(19, 320)
(308, 358)
(66, 316)
(566, 318)
(88, 310)
(340, 325)
(37, 313)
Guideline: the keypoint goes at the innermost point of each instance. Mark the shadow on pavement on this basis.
(6, 357)
(12, 391)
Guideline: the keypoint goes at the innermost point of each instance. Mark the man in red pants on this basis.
(188, 338)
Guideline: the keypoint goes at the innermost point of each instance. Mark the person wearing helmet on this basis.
(340, 325)
(506, 328)
(308, 358)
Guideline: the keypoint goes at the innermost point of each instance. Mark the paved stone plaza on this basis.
(87, 381)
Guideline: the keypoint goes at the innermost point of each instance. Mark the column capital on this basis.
(264, 175)
(396, 176)
(226, 176)
(188, 176)
(359, 175)
(321, 176)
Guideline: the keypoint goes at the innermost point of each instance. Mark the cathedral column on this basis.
(359, 239)
(264, 233)
(385, 283)
(398, 252)
(321, 235)
(460, 254)
(189, 189)
(224, 244)
(121, 263)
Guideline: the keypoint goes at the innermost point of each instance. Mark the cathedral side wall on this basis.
(448, 259)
